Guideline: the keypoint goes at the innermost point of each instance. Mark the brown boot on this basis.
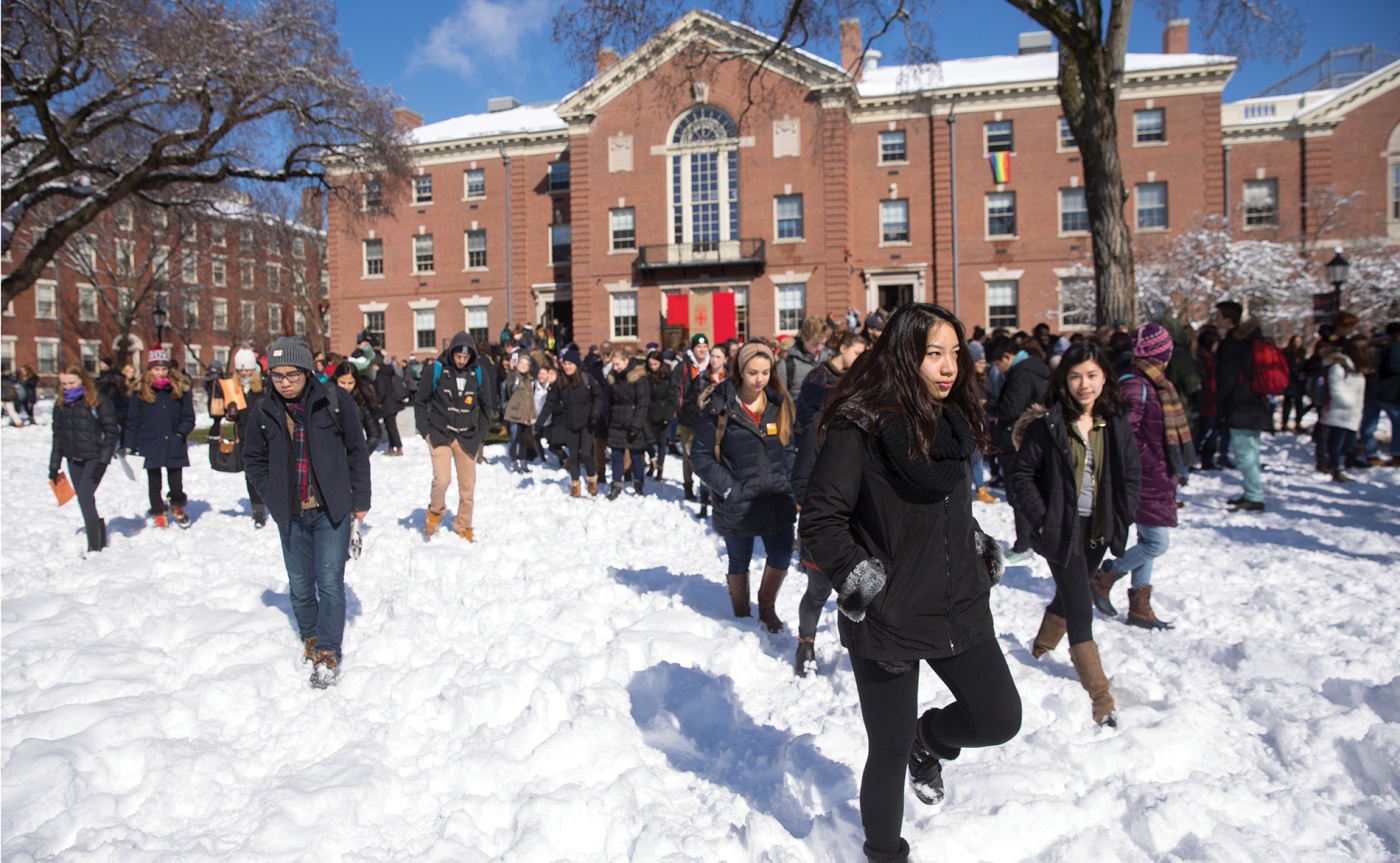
(308, 649)
(1140, 609)
(1099, 587)
(768, 595)
(575, 489)
(1085, 656)
(593, 486)
(431, 525)
(466, 533)
(1052, 629)
(739, 593)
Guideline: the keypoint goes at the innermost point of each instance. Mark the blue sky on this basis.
(445, 58)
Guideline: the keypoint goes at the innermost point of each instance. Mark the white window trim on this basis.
(467, 196)
(1059, 145)
(46, 283)
(365, 274)
(94, 345)
(1061, 275)
(878, 277)
(1000, 276)
(880, 149)
(420, 304)
(1060, 213)
(475, 300)
(880, 225)
(96, 304)
(214, 264)
(612, 249)
(777, 290)
(1244, 206)
(47, 340)
(988, 236)
(1155, 229)
(192, 350)
(985, 123)
(413, 190)
(413, 263)
(1166, 139)
(11, 343)
(614, 290)
(214, 314)
(784, 241)
(549, 233)
(467, 252)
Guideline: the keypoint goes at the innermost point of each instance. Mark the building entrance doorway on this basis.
(563, 311)
(892, 297)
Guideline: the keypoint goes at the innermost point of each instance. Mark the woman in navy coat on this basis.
(158, 420)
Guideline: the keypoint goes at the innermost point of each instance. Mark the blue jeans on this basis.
(778, 547)
(1244, 443)
(314, 549)
(1370, 418)
(1152, 543)
(979, 471)
(637, 469)
(1339, 445)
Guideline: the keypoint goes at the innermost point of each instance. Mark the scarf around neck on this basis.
(953, 444)
(302, 466)
(1181, 451)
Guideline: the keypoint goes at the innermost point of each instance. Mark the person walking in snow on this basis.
(573, 411)
(85, 432)
(159, 418)
(1077, 479)
(453, 411)
(1237, 406)
(686, 383)
(305, 453)
(888, 518)
(350, 378)
(1346, 393)
(661, 409)
(743, 451)
(517, 393)
(713, 374)
(629, 398)
(1026, 377)
(1162, 434)
(247, 379)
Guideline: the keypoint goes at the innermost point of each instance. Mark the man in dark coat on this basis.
(306, 456)
(1236, 405)
(1025, 377)
(683, 377)
(453, 409)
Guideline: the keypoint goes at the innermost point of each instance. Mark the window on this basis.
(1074, 211)
(298, 248)
(217, 233)
(479, 324)
(894, 221)
(220, 314)
(705, 179)
(1076, 303)
(274, 320)
(423, 253)
(189, 266)
(90, 352)
(1151, 205)
(160, 218)
(374, 257)
(1395, 191)
(189, 232)
(623, 221)
(476, 249)
(221, 357)
(45, 300)
(792, 307)
(191, 360)
(1066, 136)
(423, 189)
(788, 209)
(741, 313)
(191, 312)
(998, 135)
(558, 176)
(1150, 127)
(560, 243)
(299, 322)
(425, 328)
(249, 280)
(218, 272)
(87, 304)
(624, 315)
(274, 277)
(7, 355)
(124, 218)
(374, 325)
(160, 263)
(248, 311)
(126, 256)
(1001, 214)
(48, 355)
(1001, 305)
(1260, 203)
(374, 196)
(475, 180)
(245, 235)
(892, 148)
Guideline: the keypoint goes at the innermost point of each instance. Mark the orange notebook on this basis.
(62, 488)
(233, 394)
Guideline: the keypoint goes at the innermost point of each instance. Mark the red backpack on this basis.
(1268, 369)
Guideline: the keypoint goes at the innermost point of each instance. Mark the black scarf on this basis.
(953, 444)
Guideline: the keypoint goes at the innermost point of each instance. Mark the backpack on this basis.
(398, 389)
(437, 373)
(1268, 368)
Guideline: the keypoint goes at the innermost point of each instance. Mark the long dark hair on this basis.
(1109, 403)
(663, 371)
(885, 383)
(363, 393)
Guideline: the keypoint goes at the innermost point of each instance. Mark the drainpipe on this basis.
(510, 262)
(953, 194)
(1228, 225)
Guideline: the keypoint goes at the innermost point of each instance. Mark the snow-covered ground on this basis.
(572, 687)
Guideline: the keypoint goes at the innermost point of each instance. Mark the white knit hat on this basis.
(245, 360)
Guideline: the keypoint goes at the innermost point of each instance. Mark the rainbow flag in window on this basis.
(1001, 167)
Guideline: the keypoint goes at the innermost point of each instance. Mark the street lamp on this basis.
(1337, 276)
(159, 317)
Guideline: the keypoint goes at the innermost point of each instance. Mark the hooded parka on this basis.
(629, 397)
(456, 403)
(752, 478)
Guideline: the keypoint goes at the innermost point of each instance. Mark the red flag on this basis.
(725, 323)
(677, 310)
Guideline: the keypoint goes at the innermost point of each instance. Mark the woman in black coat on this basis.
(743, 452)
(248, 379)
(629, 401)
(714, 374)
(888, 518)
(353, 381)
(661, 409)
(573, 410)
(85, 432)
(158, 420)
(1076, 479)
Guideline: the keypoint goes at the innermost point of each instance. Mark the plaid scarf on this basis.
(300, 461)
(1181, 452)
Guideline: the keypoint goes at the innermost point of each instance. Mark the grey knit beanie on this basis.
(290, 351)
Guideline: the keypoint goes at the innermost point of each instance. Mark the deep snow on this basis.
(573, 687)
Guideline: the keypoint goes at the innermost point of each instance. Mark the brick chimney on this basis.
(607, 58)
(312, 201)
(407, 118)
(851, 46)
(1176, 39)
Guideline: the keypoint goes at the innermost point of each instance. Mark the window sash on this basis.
(1066, 136)
(423, 189)
(1002, 304)
(792, 306)
(476, 248)
(1001, 214)
(423, 253)
(789, 213)
(1150, 126)
(1074, 211)
(558, 176)
(1152, 205)
(560, 243)
(623, 222)
(1260, 203)
(45, 301)
(624, 315)
(87, 305)
(475, 179)
(220, 314)
(374, 257)
(894, 221)
(893, 147)
(374, 195)
(374, 323)
(999, 136)
(425, 328)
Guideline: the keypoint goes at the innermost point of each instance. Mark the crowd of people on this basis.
(857, 447)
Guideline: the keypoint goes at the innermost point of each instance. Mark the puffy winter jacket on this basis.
(687, 379)
(443, 412)
(797, 365)
(1388, 373)
(811, 401)
(158, 429)
(662, 401)
(574, 408)
(1157, 501)
(1346, 394)
(519, 395)
(1024, 386)
(629, 397)
(1235, 402)
(81, 432)
(752, 478)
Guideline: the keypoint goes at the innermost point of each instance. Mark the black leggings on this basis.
(1072, 601)
(580, 446)
(986, 712)
(85, 475)
(391, 431)
(177, 488)
(658, 449)
(1298, 406)
(809, 611)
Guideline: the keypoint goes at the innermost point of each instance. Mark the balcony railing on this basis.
(700, 253)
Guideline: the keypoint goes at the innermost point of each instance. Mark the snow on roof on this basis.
(1315, 106)
(1017, 69)
(525, 119)
(819, 60)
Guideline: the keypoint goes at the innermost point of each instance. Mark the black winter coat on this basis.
(158, 429)
(629, 401)
(935, 603)
(1040, 484)
(1388, 374)
(752, 479)
(1236, 404)
(339, 459)
(384, 386)
(574, 409)
(686, 384)
(82, 433)
(811, 401)
(662, 402)
(1025, 385)
(442, 414)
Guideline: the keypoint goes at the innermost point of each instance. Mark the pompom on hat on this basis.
(1152, 342)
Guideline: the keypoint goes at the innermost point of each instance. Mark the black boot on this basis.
(102, 524)
(94, 535)
(638, 486)
(925, 770)
(900, 856)
(615, 491)
(806, 655)
(259, 515)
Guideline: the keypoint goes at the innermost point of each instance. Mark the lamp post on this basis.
(1337, 276)
(159, 317)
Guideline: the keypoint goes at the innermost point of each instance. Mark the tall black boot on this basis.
(94, 535)
(900, 856)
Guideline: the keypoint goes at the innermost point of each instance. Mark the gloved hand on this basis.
(53, 475)
(231, 413)
(632, 434)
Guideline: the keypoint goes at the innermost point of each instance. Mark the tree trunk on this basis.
(1115, 293)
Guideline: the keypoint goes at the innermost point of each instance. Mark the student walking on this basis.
(452, 411)
(1346, 394)
(629, 398)
(85, 432)
(572, 413)
(661, 409)
(306, 455)
(247, 379)
(888, 518)
(159, 418)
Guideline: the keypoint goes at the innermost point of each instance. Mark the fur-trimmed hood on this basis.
(1032, 413)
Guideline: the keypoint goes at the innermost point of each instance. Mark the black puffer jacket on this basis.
(662, 402)
(1236, 404)
(752, 478)
(575, 409)
(935, 602)
(442, 412)
(629, 397)
(1040, 483)
(1025, 385)
(81, 432)
(811, 401)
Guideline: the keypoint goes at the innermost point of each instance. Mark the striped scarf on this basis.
(1181, 451)
(300, 462)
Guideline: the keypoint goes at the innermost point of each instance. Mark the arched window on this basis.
(705, 178)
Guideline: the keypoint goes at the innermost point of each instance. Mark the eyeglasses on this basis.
(288, 378)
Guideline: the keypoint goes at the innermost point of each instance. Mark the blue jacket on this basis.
(158, 429)
(339, 458)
